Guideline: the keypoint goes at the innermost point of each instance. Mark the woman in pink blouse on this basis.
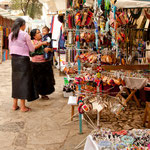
(22, 79)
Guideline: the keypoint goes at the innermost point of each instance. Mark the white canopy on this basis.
(51, 6)
(60, 5)
(54, 5)
(6, 14)
(132, 3)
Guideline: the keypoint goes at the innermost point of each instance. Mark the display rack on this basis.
(127, 67)
(118, 46)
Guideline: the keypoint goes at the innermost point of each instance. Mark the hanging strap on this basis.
(114, 11)
(69, 3)
(99, 3)
(107, 4)
(137, 15)
(147, 15)
(84, 1)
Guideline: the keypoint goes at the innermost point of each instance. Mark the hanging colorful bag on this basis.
(78, 18)
(89, 17)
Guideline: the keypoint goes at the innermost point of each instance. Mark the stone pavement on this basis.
(42, 128)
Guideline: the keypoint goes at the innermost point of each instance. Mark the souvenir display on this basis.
(105, 38)
(122, 140)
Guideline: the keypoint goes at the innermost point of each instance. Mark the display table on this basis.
(90, 144)
(122, 140)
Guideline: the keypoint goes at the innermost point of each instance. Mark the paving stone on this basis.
(49, 124)
(48, 137)
(22, 148)
(21, 140)
(6, 139)
(8, 148)
(12, 126)
(43, 147)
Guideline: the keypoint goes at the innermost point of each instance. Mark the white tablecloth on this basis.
(135, 83)
(90, 144)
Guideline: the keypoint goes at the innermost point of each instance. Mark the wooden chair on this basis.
(73, 102)
(72, 111)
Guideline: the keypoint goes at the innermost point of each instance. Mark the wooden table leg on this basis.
(72, 112)
(100, 113)
(137, 101)
(122, 99)
(119, 95)
(130, 96)
(148, 120)
(128, 92)
(145, 116)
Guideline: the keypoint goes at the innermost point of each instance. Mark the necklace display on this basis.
(122, 140)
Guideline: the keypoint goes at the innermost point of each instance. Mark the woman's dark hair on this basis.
(19, 22)
(61, 18)
(33, 33)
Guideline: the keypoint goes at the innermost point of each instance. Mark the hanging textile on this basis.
(107, 4)
(61, 40)
(1, 28)
(107, 7)
(4, 31)
(6, 43)
(89, 17)
(52, 24)
(114, 9)
(73, 21)
(107, 25)
(72, 55)
(7, 32)
(96, 34)
(56, 28)
(83, 2)
(137, 15)
(147, 15)
(70, 22)
(69, 3)
(99, 3)
(56, 31)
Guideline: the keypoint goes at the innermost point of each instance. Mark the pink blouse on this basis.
(22, 45)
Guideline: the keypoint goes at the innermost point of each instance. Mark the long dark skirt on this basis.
(44, 77)
(22, 79)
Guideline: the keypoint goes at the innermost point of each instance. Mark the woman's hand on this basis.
(48, 50)
(44, 43)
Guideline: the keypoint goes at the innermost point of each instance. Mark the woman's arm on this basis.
(48, 49)
(29, 43)
(38, 45)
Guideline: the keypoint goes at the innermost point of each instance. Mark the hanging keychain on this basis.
(96, 34)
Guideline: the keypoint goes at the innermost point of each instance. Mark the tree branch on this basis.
(22, 8)
(26, 6)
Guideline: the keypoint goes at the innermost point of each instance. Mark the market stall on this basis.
(6, 21)
(107, 55)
